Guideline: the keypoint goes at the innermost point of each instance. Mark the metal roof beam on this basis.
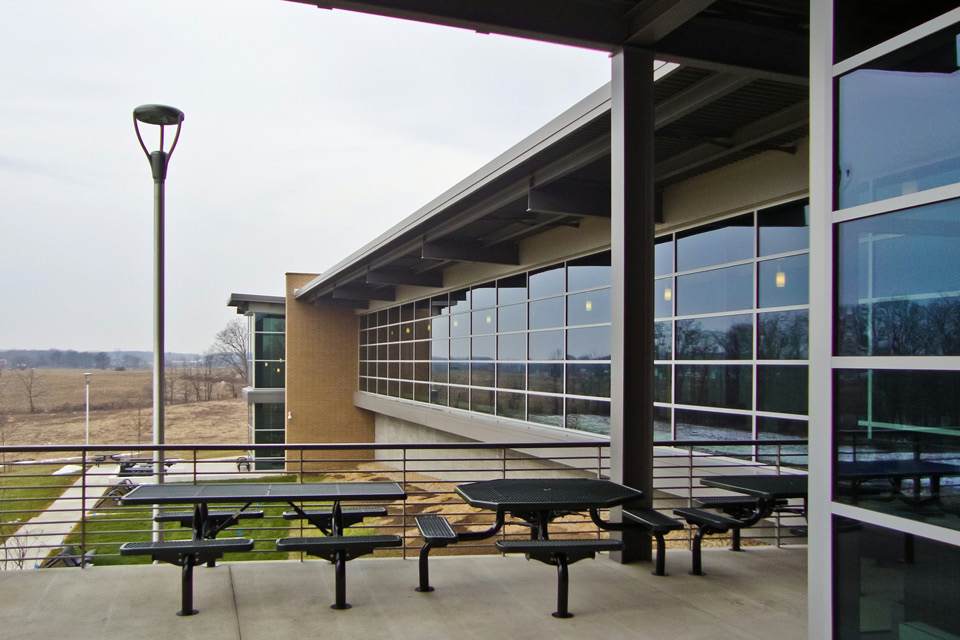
(402, 276)
(351, 292)
(652, 20)
(331, 303)
(698, 96)
(460, 251)
(571, 197)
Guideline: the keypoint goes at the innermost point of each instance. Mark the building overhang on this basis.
(248, 303)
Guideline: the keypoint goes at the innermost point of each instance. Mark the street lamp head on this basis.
(86, 377)
(162, 116)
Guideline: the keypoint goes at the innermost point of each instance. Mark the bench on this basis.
(739, 507)
(70, 557)
(117, 491)
(320, 516)
(707, 523)
(560, 553)
(437, 533)
(657, 524)
(216, 518)
(186, 554)
(338, 550)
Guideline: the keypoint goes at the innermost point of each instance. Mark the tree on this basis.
(102, 360)
(34, 386)
(232, 345)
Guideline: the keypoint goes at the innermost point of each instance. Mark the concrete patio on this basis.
(759, 593)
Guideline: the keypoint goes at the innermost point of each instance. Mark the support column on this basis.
(632, 235)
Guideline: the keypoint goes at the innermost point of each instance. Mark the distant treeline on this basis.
(70, 359)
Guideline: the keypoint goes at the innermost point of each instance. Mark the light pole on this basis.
(86, 377)
(162, 116)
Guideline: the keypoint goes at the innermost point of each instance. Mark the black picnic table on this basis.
(769, 490)
(895, 471)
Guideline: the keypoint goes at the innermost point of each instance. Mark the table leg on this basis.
(563, 586)
(186, 588)
(340, 564)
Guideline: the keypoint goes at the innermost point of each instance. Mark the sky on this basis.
(308, 132)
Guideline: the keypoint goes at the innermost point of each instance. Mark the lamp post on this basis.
(162, 116)
(86, 377)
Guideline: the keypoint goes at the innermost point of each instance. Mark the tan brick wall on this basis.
(321, 379)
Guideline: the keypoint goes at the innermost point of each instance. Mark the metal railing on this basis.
(61, 505)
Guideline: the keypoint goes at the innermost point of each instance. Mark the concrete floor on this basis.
(759, 593)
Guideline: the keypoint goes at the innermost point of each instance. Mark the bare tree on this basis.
(34, 386)
(232, 346)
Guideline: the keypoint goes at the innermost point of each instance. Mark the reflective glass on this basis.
(715, 338)
(716, 243)
(512, 346)
(406, 390)
(439, 349)
(440, 305)
(438, 395)
(546, 377)
(714, 385)
(782, 335)
(460, 348)
(485, 348)
(662, 340)
(482, 374)
(663, 291)
(705, 425)
(894, 584)
(663, 256)
(460, 397)
(406, 370)
(421, 350)
(590, 343)
(547, 282)
(545, 410)
(422, 308)
(662, 424)
(729, 289)
(423, 329)
(268, 415)
(270, 322)
(897, 124)
(460, 325)
(406, 331)
(512, 318)
(592, 307)
(421, 372)
(269, 437)
(484, 295)
(482, 400)
(511, 405)
(421, 393)
(784, 282)
(546, 345)
(589, 272)
(393, 315)
(662, 383)
(459, 373)
(784, 228)
(485, 321)
(406, 312)
(852, 34)
(459, 301)
(782, 388)
(899, 283)
(793, 455)
(512, 376)
(547, 313)
(440, 327)
(269, 375)
(512, 289)
(592, 416)
(588, 380)
(270, 346)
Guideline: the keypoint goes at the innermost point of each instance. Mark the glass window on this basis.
(589, 272)
(899, 283)
(662, 340)
(482, 374)
(512, 318)
(459, 373)
(460, 325)
(268, 415)
(663, 298)
(897, 442)
(406, 312)
(588, 380)
(460, 348)
(485, 348)
(663, 256)
(794, 455)
(512, 376)
(406, 390)
(784, 282)
(546, 377)
(406, 331)
(713, 385)
(438, 372)
(592, 416)
(440, 305)
(511, 405)
(393, 315)
(460, 397)
(459, 301)
(716, 243)
(716, 338)
(270, 322)
(897, 124)
(853, 34)
(512, 289)
(421, 393)
(512, 346)
(662, 424)
(706, 425)
(547, 313)
(782, 388)
(439, 349)
(545, 410)
(270, 346)
(269, 375)
(592, 307)
(662, 383)
(729, 289)
(895, 584)
(590, 343)
(485, 321)
(269, 437)
(547, 345)
(484, 295)
(782, 335)
(784, 228)
(482, 401)
(438, 395)
(547, 282)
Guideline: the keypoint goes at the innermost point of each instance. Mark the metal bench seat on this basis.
(186, 554)
(436, 532)
(320, 516)
(657, 524)
(707, 523)
(560, 553)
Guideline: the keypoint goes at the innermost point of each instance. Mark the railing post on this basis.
(83, 508)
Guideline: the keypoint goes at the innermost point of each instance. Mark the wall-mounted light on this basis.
(781, 278)
(589, 305)
(489, 319)
(668, 294)
(408, 330)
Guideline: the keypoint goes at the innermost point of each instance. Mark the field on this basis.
(120, 412)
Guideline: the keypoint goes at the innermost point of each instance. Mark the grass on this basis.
(26, 492)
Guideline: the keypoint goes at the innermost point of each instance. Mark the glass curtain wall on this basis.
(896, 341)
(267, 347)
(534, 347)
(730, 334)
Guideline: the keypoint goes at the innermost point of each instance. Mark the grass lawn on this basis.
(26, 492)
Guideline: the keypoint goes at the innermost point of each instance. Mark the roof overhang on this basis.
(252, 303)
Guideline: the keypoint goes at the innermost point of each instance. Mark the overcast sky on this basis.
(308, 132)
